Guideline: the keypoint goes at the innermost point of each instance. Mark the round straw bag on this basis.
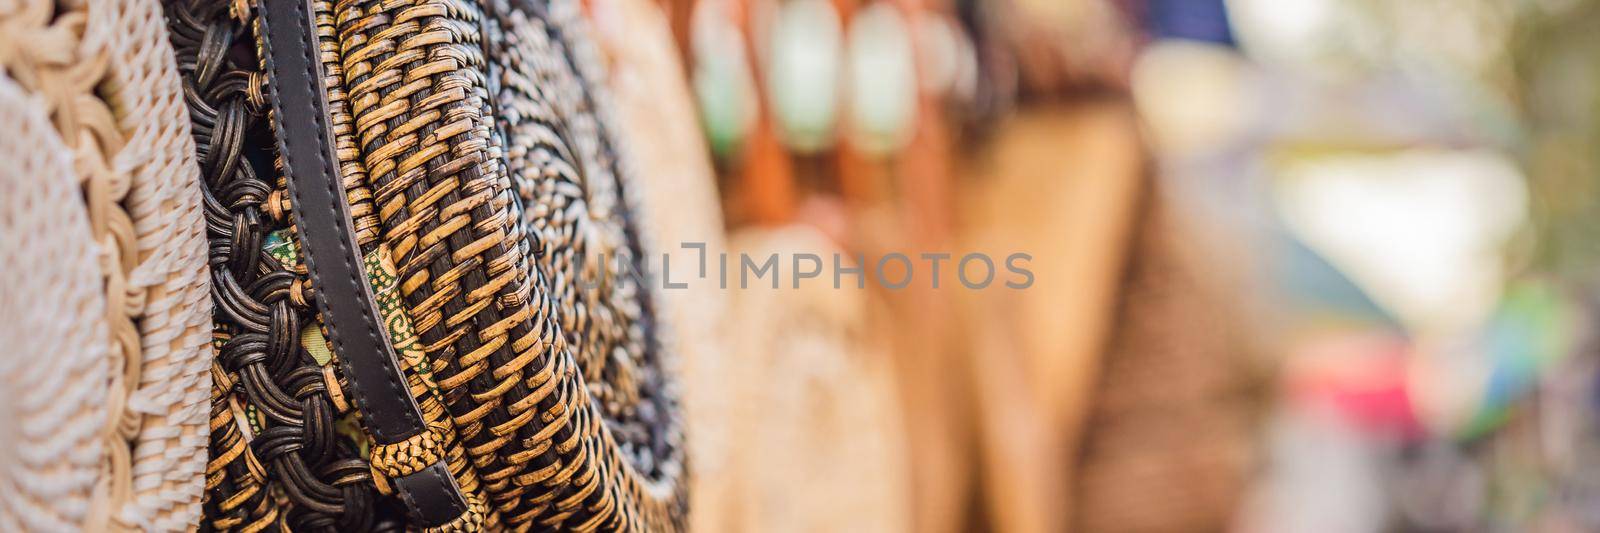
(658, 122)
(288, 447)
(54, 409)
(432, 310)
(809, 360)
(103, 76)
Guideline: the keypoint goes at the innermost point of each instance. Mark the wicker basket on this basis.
(103, 75)
(54, 410)
(658, 122)
(495, 217)
(496, 223)
(286, 446)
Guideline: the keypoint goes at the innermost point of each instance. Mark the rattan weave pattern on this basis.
(493, 321)
(659, 129)
(287, 446)
(419, 121)
(104, 76)
(486, 191)
(278, 457)
(54, 409)
(579, 189)
(169, 384)
(565, 173)
(414, 363)
(46, 54)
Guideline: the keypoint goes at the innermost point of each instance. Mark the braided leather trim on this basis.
(400, 459)
(475, 519)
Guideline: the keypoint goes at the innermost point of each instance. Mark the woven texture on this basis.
(510, 233)
(452, 181)
(656, 120)
(580, 193)
(56, 365)
(168, 385)
(105, 78)
(442, 440)
(286, 449)
(497, 233)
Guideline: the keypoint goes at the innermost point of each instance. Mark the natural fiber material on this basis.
(279, 457)
(496, 229)
(56, 365)
(433, 186)
(493, 234)
(168, 385)
(359, 80)
(579, 190)
(106, 79)
(389, 461)
(656, 120)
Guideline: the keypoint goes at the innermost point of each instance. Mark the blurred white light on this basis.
(803, 72)
(1421, 231)
(1291, 18)
(1194, 97)
(882, 79)
(1279, 27)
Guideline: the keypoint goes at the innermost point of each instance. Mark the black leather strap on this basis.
(322, 216)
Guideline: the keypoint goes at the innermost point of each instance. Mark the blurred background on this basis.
(1299, 265)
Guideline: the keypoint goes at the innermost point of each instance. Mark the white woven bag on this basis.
(55, 363)
(104, 78)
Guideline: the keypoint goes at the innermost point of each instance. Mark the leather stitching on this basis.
(433, 483)
(444, 485)
(323, 168)
(429, 480)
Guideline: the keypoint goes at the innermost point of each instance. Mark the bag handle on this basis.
(408, 451)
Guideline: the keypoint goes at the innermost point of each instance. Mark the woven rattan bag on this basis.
(104, 307)
(489, 233)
